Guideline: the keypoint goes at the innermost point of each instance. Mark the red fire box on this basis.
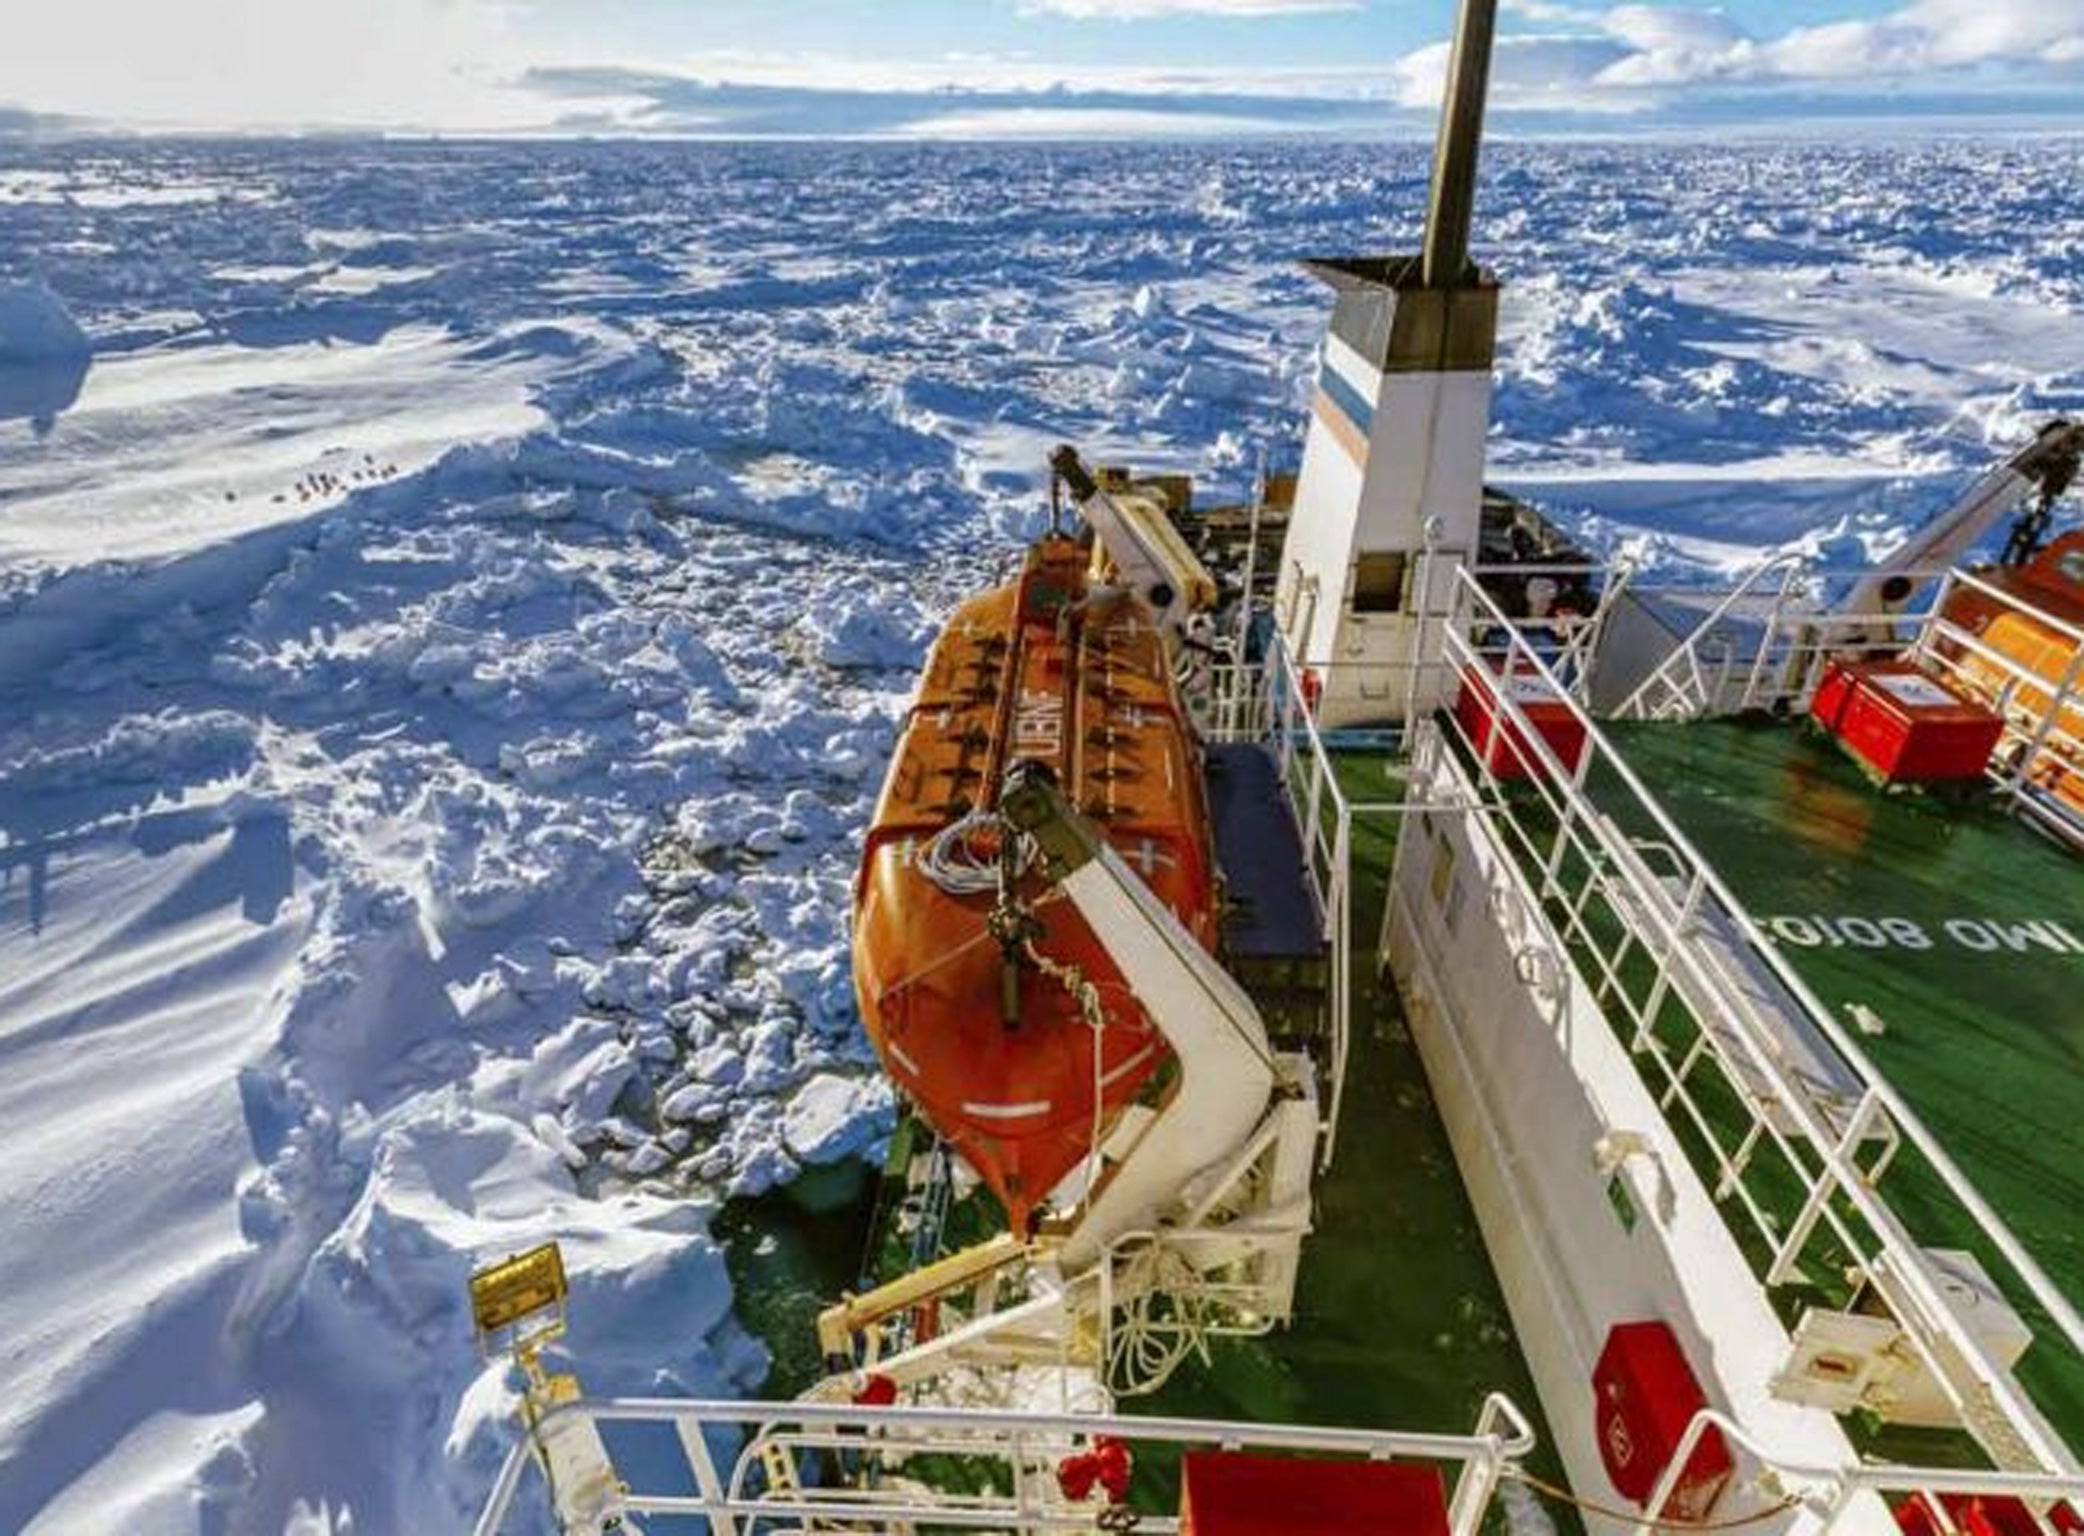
(1236, 1493)
(1906, 726)
(1646, 1396)
(1498, 741)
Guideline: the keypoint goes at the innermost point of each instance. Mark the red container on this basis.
(1235, 1493)
(1975, 1515)
(1646, 1396)
(1905, 725)
(1500, 744)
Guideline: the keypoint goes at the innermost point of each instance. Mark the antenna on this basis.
(1453, 203)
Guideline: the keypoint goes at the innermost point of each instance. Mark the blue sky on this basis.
(893, 67)
(1382, 31)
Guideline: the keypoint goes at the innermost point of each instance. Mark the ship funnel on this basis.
(1453, 201)
(1389, 500)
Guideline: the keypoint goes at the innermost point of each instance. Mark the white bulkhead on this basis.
(1390, 496)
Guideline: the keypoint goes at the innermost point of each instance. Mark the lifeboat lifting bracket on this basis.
(1207, 1206)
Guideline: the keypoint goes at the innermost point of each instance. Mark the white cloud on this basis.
(1065, 122)
(258, 63)
(1146, 10)
(1549, 13)
(1926, 38)
(1843, 50)
(466, 64)
(1969, 31)
(1526, 71)
(1654, 48)
(1666, 29)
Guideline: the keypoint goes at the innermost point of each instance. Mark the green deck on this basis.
(1399, 1321)
(1958, 927)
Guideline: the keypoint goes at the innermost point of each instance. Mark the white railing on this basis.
(1266, 704)
(2042, 750)
(1830, 1492)
(1683, 682)
(1666, 946)
(1747, 654)
(751, 1468)
(762, 1467)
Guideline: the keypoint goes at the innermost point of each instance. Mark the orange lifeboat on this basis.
(2052, 583)
(1021, 1048)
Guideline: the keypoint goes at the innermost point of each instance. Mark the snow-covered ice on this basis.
(454, 609)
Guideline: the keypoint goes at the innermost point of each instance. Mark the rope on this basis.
(1074, 981)
(1634, 1517)
(951, 862)
(1144, 1347)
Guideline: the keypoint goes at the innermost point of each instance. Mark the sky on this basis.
(927, 67)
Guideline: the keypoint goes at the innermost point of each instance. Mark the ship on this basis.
(1406, 1029)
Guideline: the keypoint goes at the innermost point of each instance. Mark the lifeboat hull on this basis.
(1022, 1062)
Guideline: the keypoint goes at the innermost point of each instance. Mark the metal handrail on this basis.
(1283, 717)
(1689, 648)
(1842, 1484)
(1503, 1435)
(2040, 615)
(1851, 1183)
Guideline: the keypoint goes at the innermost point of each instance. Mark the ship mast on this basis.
(1452, 207)
(1390, 497)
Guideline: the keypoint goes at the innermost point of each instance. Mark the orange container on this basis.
(2052, 583)
(1051, 669)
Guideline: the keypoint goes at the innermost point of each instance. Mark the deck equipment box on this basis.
(1646, 1396)
(1500, 744)
(1235, 1493)
(1906, 726)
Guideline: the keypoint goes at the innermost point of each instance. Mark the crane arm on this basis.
(1227, 1070)
(2043, 469)
(1154, 561)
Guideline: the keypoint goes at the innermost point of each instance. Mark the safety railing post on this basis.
(1784, 1256)
(696, 1448)
(1285, 707)
(1921, 647)
(493, 1518)
(1765, 639)
(1660, 985)
(1674, 1470)
(1473, 1490)
(1341, 919)
(1422, 598)
(1313, 801)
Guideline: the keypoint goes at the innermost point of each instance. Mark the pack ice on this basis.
(455, 602)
